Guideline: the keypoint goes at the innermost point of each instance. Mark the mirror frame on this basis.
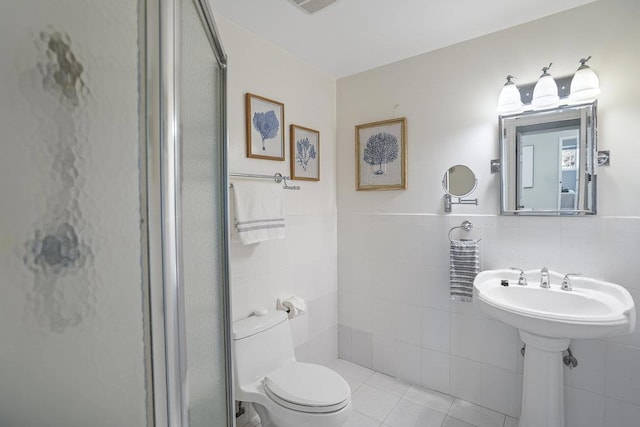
(586, 114)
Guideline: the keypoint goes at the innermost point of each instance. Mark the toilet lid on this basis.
(307, 387)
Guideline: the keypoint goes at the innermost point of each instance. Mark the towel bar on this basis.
(277, 178)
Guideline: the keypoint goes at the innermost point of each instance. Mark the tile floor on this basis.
(379, 400)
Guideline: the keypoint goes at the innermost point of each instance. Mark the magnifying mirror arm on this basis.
(449, 201)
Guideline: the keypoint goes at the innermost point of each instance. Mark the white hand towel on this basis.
(259, 211)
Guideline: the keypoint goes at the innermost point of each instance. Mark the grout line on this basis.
(447, 414)
(394, 407)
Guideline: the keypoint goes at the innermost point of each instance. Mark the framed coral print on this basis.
(381, 155)
(264, 121)
(305, 153)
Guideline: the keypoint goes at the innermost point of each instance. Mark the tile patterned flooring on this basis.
(379, 400)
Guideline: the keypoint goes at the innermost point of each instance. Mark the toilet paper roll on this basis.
(294, 306)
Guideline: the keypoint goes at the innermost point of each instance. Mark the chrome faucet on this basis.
(566, 282)
(522, 280)
(544, 278)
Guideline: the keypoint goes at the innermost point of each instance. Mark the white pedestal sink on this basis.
(547, 319)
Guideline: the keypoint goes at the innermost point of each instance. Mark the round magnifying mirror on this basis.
(459, 181)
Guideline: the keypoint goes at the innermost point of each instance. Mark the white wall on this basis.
(305, 262)
(394, 312)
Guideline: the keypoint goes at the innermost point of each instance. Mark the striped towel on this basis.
(463, 267)
(259, 211)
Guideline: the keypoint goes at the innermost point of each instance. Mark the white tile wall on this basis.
(362, 348)
(344, 342)
(408, 362)
(591, 361)
(622, 373)
(620, 414)
(466, 335)
(465, 379)
(422, 337)
(408, 323)
(263, 272)
(435, 370)
(435, 330)
(583, 409)
(499, 390)
(499, 344)
(383, 325)
(324, 347)
(384, 355)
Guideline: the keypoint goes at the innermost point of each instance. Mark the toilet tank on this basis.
(261, 345)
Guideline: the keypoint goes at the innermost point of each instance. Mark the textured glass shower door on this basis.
(113, 291)
(203, 219)
(188, 241)
(72, 296)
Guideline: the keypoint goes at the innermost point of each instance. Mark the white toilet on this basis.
(284, 392)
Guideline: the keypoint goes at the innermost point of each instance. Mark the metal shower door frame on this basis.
(167, 317)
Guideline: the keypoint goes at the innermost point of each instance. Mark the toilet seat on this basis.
(307, 387)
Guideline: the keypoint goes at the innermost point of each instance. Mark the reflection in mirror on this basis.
(547, 161)
(459, 181)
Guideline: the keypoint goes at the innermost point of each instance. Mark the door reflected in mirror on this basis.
(548, 163)
(459, 181)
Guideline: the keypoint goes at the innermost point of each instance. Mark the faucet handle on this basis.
(566, 281)
(522, 280)
(544, 278)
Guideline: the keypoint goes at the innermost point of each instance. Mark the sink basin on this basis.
(547, 320)
(592, 309)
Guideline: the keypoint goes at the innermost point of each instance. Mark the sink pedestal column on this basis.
(543, 384)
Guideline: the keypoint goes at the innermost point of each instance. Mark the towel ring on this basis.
(466, 226)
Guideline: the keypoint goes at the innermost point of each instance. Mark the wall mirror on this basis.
(548, 161)
(458, 181)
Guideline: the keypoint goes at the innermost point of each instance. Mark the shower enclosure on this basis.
(113, 239)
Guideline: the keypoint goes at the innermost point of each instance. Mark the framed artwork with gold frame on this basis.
(381, 155)
(305, 153)
(265, 127)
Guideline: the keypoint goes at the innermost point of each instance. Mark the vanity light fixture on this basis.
(545, 93)
(509, 101)
(585, 85)
(312, 6)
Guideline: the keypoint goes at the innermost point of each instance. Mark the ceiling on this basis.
(351, 36)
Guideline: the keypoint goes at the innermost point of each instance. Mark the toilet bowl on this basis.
(284, 392)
